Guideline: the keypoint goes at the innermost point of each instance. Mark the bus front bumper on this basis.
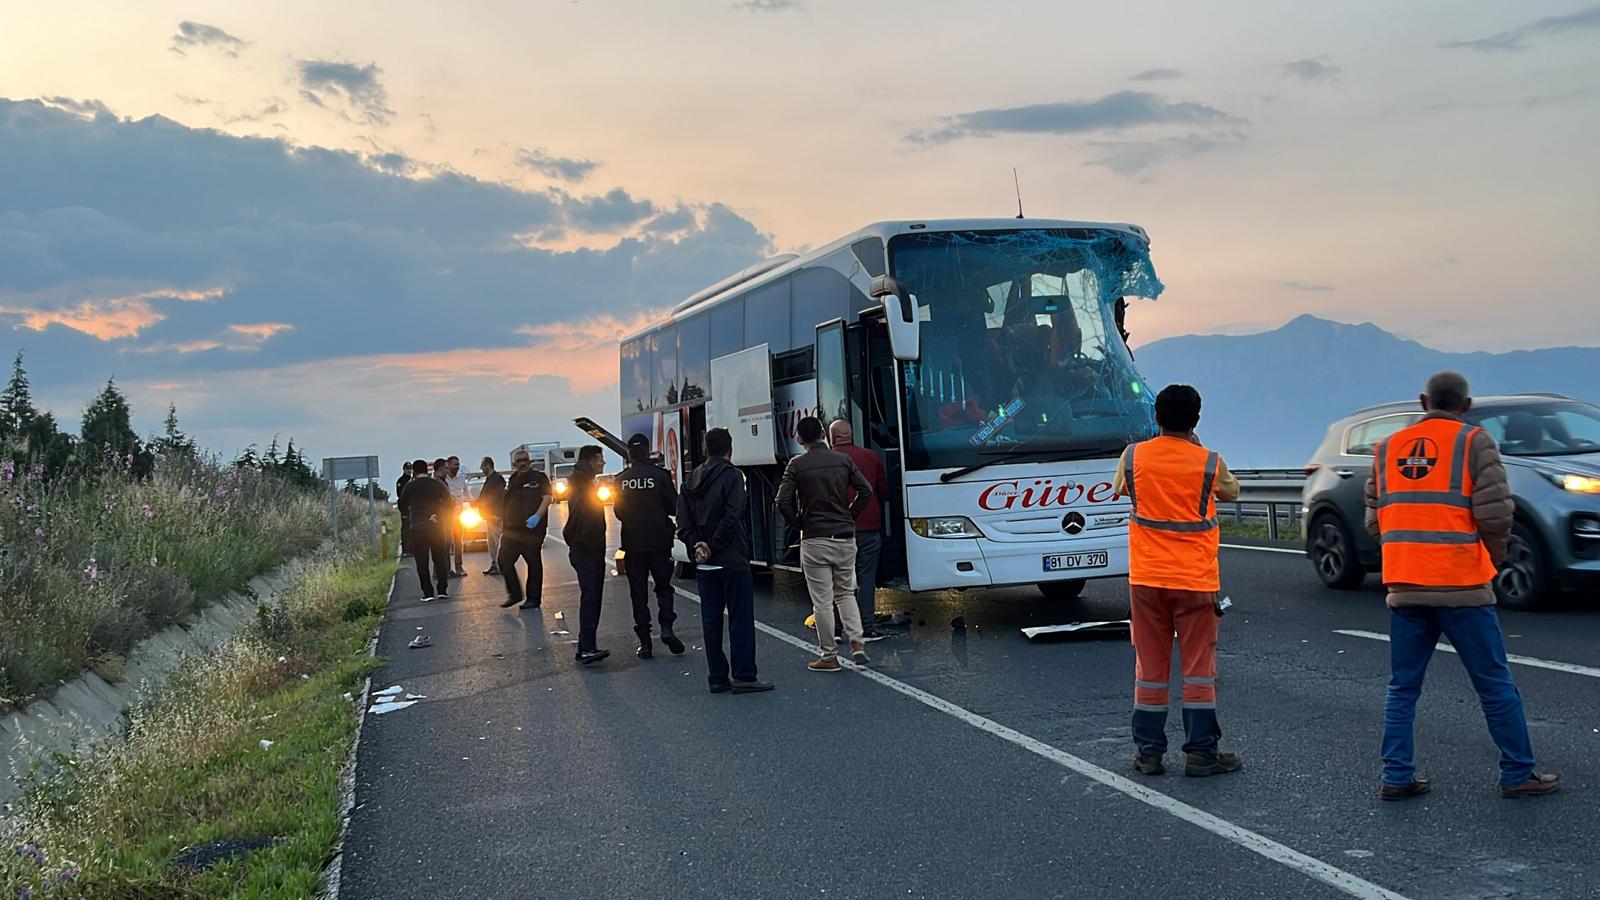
(942, 563)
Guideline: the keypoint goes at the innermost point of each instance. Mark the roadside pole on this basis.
(339, 468)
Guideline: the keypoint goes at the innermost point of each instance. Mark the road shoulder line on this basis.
(1530, 661)
(1261, 845)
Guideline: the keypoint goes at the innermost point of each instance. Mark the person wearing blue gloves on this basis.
(525, 512)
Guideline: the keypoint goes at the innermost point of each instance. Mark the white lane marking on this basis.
(1532, 661)
(1295, 551)
(1315, 868)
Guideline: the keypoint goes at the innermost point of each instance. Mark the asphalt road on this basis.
(969, 762)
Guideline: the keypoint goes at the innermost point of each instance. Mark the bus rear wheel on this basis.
(1062, 590)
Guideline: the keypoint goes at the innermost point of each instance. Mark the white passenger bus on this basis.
(985, 360)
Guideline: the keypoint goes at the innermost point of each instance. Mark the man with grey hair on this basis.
(1441, 508)
(869, 524)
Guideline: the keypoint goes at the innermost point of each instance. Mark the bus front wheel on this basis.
(1062, 590)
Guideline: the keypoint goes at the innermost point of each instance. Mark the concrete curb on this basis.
(332, 874)
(87, 709)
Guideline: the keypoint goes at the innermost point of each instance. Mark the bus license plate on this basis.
(1091, 559)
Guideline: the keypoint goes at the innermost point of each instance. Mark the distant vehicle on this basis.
(539, 453)
(561, 480)
(1551, 447)
(473, 529)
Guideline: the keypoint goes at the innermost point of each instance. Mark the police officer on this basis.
(645, 504)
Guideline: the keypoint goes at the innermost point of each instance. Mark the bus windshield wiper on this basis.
(1002, 455)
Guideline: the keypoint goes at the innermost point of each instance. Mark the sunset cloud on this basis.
(261, 331)
(109, 319)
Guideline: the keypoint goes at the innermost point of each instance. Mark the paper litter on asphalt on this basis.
(389, 691)
(1073, 627)
(389, 706)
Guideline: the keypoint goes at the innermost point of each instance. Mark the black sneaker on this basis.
(645, 651)
(509, 602)
(720, 687)
(872, 634)
(751, 687)
(491, 571)
(591, 656)
(1202, 766)
(672, 642)
(530, 604)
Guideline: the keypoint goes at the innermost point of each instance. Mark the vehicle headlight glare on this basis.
(945, 527)
(470, 517)
(1580, 484)
(604, 493)
(561, 487)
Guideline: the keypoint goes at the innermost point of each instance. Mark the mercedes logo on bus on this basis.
(1072, 522)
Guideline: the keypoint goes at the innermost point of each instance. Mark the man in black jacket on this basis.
(427, 504)
(645, 505)
(491, 496)
(405, 521)
(585, 534)
(712, 512)
(524, 512)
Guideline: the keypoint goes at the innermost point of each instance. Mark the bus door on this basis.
(853, 362)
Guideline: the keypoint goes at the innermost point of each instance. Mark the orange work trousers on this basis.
(1159, 614)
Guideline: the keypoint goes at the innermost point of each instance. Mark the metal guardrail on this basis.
(1272, 495)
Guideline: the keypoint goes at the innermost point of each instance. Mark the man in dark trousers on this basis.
(405, 521)
(869, 524)
(585, 534)
(490, 498)
(525, 510)
(426, 502)
(713, 525)
(646, 502)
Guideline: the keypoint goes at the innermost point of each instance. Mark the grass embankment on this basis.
(194, 770)
(96, 560)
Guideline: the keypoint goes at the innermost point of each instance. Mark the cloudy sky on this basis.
(416, 229)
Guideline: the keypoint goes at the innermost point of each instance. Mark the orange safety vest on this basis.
(1424, 488)
(1173, 534)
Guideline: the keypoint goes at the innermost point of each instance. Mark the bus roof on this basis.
(777, 267)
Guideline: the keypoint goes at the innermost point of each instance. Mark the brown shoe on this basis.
(828, 663)
(1149, 765)
(1205, 765)
(858, 653)
(1537, 785)
(1419, 785)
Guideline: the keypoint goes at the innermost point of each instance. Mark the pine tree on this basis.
(108, 423)
(248, 458)
(173, 442)
(16, 401)
(272, 462)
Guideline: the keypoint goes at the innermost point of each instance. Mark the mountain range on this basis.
(1269, 397)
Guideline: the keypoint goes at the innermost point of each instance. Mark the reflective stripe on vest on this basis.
(1429, 535)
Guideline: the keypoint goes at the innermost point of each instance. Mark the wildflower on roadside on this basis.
(8, 471)
(221, 490)
(148, 512)
(152, 562)
(38, 532)
(92, 570)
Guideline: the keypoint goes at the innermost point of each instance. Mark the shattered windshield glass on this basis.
(1021, 349)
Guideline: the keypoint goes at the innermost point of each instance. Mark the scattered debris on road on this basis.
(1118, 626)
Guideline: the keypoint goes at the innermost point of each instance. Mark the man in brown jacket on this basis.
(1439, 504)
(815, 495)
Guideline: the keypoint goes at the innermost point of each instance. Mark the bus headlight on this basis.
(945, 527)
(604, 493)
(470, 518)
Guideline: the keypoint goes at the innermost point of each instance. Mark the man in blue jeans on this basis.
(712, 511)
(1439, 504)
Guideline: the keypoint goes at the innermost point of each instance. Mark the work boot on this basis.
(671, 640)
(1149, 765)
(858, 653)
(1419, 785)
(1537, 785)
(646, 650)
(1202, 765)
(829, 663)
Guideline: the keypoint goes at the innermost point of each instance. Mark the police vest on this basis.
(1424, 490)
(1172, 535)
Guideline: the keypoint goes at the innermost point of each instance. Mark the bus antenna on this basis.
(1018, 185)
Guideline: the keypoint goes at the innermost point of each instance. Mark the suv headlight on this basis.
(561, 488)
(945, 527)
(470, 517)
(1572, 481)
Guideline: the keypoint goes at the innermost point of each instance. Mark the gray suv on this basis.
(1551, 447)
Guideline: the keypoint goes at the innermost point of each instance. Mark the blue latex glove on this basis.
(533, 521)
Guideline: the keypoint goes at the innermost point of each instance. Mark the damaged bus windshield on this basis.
(1021, 350)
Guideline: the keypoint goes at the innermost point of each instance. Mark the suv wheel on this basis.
(1333, 552)
(1062, 590)
(1523, 581)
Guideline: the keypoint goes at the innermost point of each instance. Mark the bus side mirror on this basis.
(900, 313)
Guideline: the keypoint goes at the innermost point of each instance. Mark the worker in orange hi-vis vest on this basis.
(1175, 587)
(1439, 504)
